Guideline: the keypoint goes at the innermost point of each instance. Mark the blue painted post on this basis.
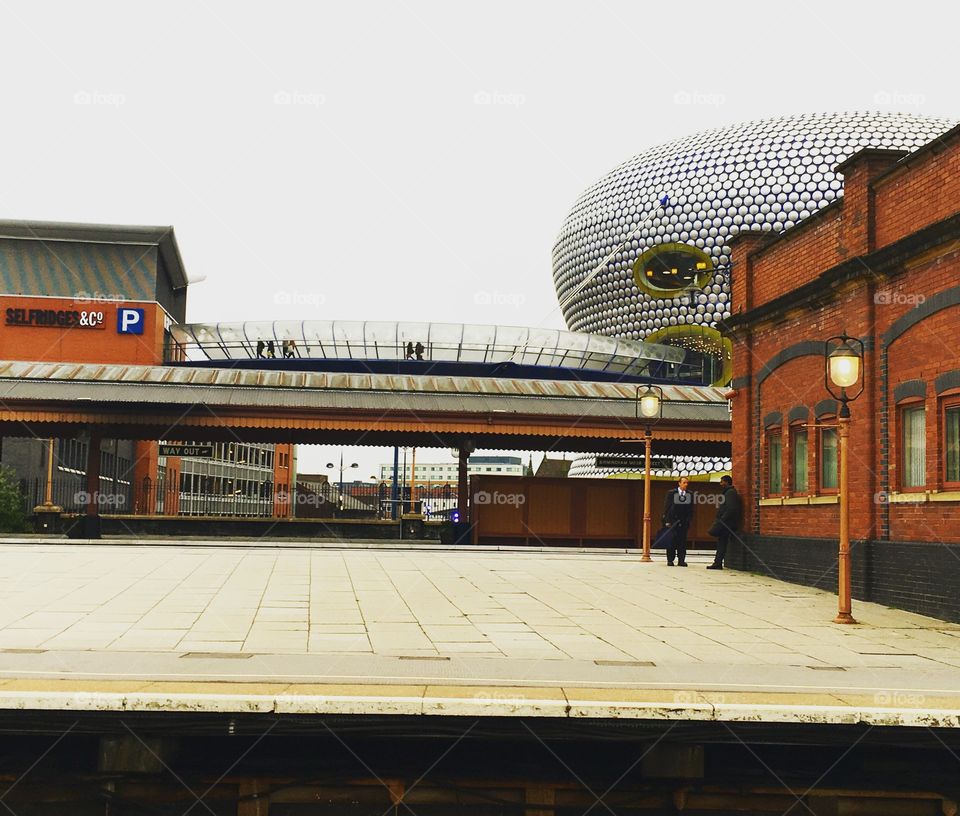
(394, 488)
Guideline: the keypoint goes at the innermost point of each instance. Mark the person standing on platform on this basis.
(677, 515)
(260, 347)
(419, 350)
(727, 520)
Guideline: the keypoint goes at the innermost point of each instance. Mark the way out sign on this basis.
(186, 450)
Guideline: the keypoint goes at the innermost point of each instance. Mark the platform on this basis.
(378, 629)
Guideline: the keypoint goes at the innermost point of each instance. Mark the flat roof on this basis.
(160, 236)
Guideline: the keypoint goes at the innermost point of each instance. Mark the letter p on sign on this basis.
(130, 321)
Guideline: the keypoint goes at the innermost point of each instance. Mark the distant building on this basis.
(240, 479)
(93, 293)
(446, 472)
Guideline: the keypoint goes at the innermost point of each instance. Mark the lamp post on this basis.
(340, 501)
(843, 358)
(650, 409)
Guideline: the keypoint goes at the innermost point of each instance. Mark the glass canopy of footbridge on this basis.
(435, 342)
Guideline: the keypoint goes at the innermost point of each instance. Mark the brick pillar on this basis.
(882, 510)
(859, 171)
(745, 420)
(146, 458)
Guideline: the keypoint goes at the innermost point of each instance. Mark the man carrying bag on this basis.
(677, 515)
(727, 520)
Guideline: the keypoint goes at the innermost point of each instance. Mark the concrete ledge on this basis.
(797, 500)
(490, 701)
(906, 498)
(830, 498)
(945, 496)
(775, 502)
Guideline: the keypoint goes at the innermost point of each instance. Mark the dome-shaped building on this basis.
(644, 252)
(665, 218)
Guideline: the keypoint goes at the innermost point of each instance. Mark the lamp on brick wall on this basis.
(650, 410)
(843, 359)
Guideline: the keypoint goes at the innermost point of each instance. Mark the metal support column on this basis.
(91, 520)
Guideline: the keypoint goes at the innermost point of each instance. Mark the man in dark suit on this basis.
(727, 520)
(677, 515)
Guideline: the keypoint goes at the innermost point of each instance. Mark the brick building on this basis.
(91, 293)
(883, 265)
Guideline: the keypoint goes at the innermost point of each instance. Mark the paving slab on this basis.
(221, 626)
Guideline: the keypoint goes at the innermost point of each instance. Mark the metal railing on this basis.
(324, 500)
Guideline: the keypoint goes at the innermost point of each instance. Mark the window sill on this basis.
(945, 496)
(924, 496)
(771, 502)
(829, 498)
(797, 500)
(917, 497)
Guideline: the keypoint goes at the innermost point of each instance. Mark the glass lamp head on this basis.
(843, 366)
(650, 403)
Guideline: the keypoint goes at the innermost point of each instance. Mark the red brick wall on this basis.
(897, 206)
(100, 344)
(795, 260)
(923, 352)
(800, 382)
(918, 195)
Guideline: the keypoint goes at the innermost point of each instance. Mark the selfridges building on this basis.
(663, 220)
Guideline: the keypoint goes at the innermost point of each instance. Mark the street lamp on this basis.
(843, 359)
(340, 494)
(650, 410)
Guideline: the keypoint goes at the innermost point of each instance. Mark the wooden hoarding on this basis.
(532, 511)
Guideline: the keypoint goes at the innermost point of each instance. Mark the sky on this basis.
(406, 160)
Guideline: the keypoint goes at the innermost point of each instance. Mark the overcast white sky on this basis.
(407, 160)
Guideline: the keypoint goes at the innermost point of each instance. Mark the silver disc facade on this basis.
(701, 190)
(765, 175)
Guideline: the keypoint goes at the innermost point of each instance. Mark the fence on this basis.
(321, 500)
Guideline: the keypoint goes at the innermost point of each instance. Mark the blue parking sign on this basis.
(130, 321)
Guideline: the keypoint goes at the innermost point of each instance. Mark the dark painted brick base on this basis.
(246, 528)
(916, 576)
